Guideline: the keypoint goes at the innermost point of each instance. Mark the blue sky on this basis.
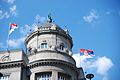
(93, 24)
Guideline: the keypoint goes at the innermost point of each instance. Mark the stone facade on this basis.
(48, 57)
(13, 64)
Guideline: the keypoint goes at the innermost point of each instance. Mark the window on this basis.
(61, 46)
(43, 76)
(62, 76)
(5, 77)
(44, 45)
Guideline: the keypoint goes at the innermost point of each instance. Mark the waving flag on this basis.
(13, 26)
(87, 53)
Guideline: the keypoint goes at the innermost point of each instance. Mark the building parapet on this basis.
(13, 55)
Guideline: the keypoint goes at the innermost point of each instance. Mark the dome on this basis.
(50, 25)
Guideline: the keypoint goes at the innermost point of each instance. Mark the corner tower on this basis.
(49, 51)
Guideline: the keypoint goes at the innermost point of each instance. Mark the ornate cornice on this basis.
(55, 52)
(52, 51)
(50, 62)
(12, 64)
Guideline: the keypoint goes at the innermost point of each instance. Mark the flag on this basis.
(87, 53)
(12, 27)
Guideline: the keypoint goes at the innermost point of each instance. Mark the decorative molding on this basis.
(5, 58)
(49, 62)
(12, 64)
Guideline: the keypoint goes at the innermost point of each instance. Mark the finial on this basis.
(49, 18)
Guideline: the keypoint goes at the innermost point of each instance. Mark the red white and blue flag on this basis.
(87, 53)
(13, 26)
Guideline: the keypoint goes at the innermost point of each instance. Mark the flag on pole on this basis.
(87, 53)
(13, 26)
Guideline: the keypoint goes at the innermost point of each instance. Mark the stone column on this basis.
(54, 75)
(32, 76)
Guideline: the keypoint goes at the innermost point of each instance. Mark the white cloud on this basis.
(101, 65)
(25, 29)
(34, 27)
(81, 59)
(13, 10)
(16, 42)
(92, 16)
(4, 14)
(77, 59)
(39, 19)
(8, 12)
(1, 14)
(10, 1)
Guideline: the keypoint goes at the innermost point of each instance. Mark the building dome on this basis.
(49, 51)
(49, 25)
(50, 38)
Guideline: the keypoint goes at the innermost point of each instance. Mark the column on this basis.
(54, 75)
(32, 76)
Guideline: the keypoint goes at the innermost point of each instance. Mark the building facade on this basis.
(48, 56)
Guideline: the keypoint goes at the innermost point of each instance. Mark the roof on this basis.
(49, 25)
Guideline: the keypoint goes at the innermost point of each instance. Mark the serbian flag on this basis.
(87, 53)
(13, 26)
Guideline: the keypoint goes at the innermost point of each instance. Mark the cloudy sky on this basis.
(93, 24)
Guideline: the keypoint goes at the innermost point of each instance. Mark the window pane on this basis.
(44, 76)
(43, 45)
(5, 77)
(62, 76)
(62, 47)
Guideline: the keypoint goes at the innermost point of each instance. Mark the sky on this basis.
(92, 24)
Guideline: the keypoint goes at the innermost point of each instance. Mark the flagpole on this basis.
(8, 38)
(8, 41)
